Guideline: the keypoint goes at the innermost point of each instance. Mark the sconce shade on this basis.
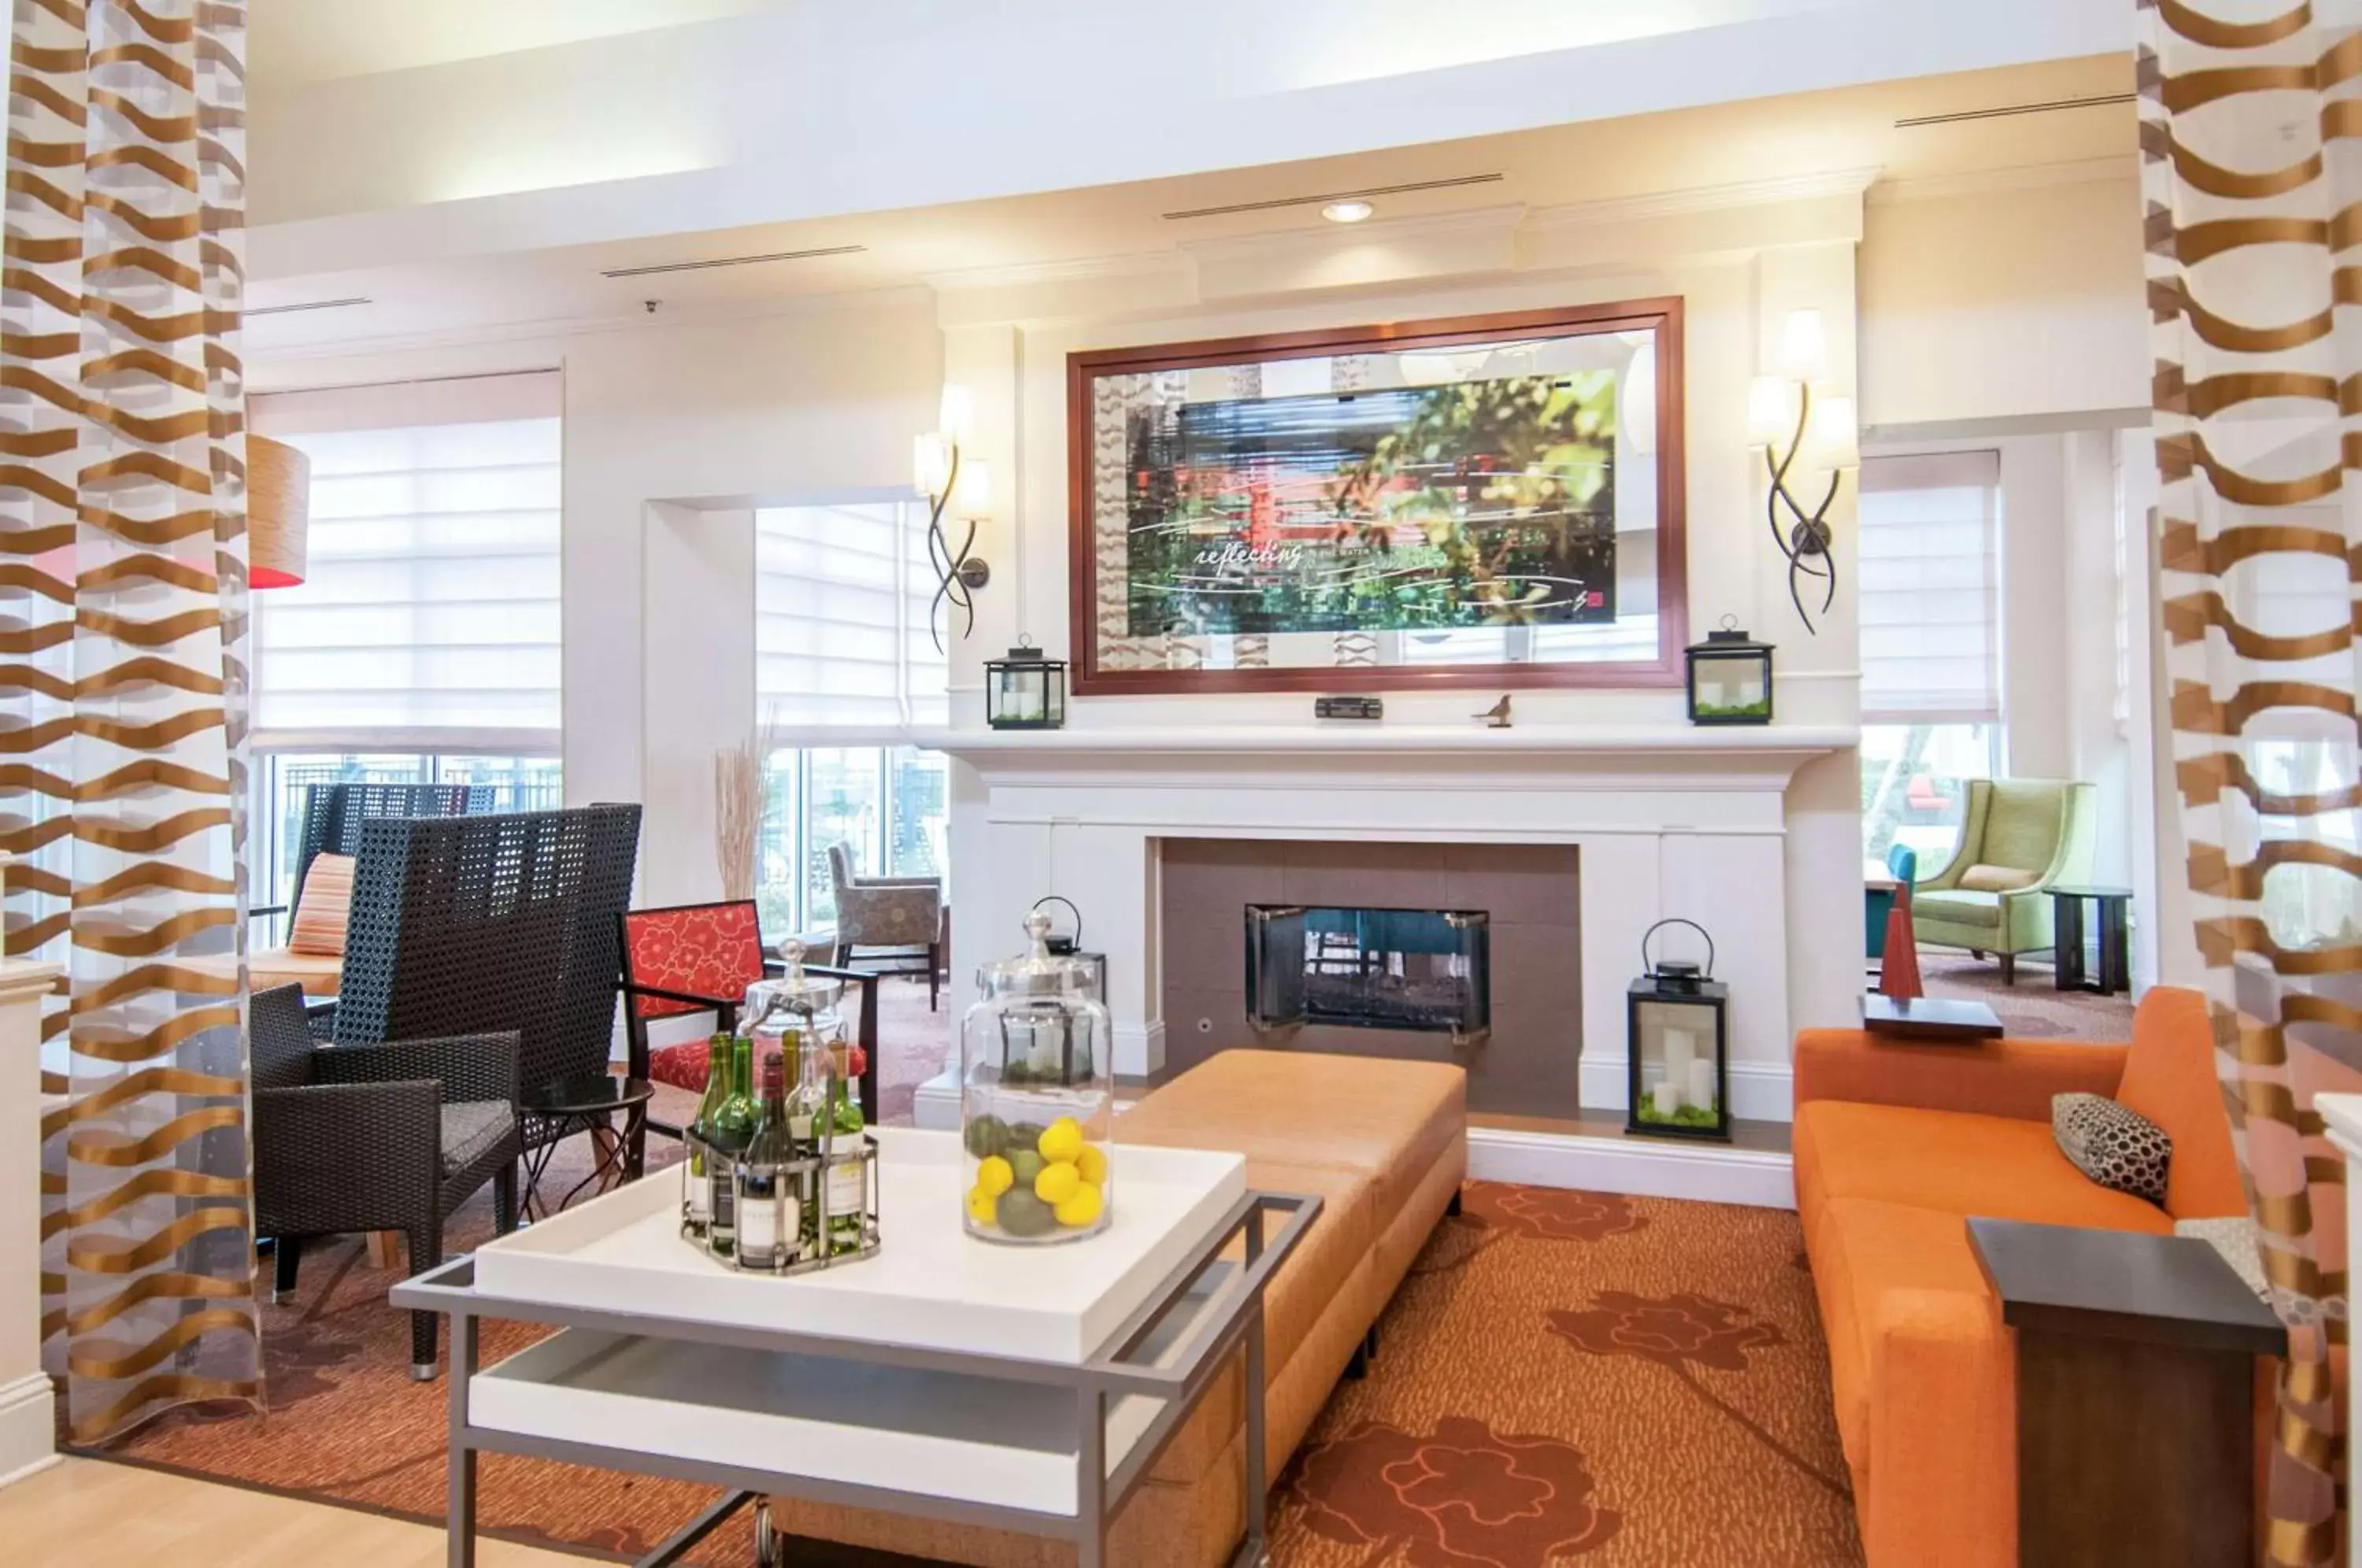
(1805, 350)
(956, 419)
(1834, 442)
(931, 463)
(1771, 409)
(974, 488)
(278, 512)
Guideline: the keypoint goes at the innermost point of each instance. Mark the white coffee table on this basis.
(1027, 1389)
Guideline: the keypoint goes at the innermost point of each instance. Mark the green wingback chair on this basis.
(2043, 829)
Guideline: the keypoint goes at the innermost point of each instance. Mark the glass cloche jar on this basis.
(1037, 1099)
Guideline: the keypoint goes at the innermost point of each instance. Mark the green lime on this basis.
(1025, 1164)
(1022, 1214)
(987, 1136)
(1024, 1135)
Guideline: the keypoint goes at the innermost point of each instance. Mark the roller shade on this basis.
(842, 647)
(1930, 640)
(429, 616)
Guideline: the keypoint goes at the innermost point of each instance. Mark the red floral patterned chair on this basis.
(694, 959)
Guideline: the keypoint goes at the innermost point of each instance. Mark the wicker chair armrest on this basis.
(466, 1066)
(331, 1157)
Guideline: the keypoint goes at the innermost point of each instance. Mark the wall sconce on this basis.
(948, 479)
(1803, 427)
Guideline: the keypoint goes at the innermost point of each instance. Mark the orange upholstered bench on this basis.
(1384, 1146)
(1896, 1146)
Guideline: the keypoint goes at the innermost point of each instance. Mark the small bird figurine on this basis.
(1495, 717)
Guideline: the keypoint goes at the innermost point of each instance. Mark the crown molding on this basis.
(1075, 270)
(2021, 177)
(671, 317)
(1331, 237)
(1842, 182)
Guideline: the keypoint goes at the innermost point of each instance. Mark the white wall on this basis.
(2004, 301)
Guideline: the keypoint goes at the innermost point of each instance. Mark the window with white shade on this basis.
(428, 617)
(845, 668)
(841, 641)
(1930, 599)
(1930, 588)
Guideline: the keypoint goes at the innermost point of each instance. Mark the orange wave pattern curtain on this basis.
(122, 687)
(2251, 144)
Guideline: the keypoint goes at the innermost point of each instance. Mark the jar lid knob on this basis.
(792, 952)
(1037, 927)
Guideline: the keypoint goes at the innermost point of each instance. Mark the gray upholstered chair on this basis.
(900, 918)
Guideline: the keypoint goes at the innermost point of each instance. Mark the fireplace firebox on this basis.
(1370, 968)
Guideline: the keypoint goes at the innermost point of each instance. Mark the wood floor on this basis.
(85, 1511)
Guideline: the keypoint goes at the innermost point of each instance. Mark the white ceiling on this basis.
(1796, 138)
(293, 43)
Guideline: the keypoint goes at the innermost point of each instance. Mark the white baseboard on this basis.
(27, 1426)
(937, 1105)
(1760, 1091)
(1704, 1173)
(1140, 1048)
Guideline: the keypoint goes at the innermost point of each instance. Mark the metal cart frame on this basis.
(1229, 1316)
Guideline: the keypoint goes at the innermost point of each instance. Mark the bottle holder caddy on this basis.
(807, 1176)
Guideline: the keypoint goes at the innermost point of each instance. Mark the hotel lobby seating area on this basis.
(1075, 786)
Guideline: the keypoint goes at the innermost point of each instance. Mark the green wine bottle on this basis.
(733, 1128)
(770, 1222)
(697, 1189)
(848, 1198)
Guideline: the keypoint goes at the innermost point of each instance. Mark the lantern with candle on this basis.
(1677, 1043)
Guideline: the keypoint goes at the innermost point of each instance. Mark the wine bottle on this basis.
(805, 1106)
(848, 1201)
(697, 1189)
(770, 1224)
(734, 1127)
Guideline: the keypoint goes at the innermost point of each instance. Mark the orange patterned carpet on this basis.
(1565, 1378)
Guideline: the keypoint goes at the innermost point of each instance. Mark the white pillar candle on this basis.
(1701, 1084)
(1666, 1098)
(1680, 1050)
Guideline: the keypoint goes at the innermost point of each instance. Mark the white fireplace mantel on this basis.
(1670, 820)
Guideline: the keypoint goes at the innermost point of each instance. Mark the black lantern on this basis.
(1730, 678)
(1025, 690)
(1071, 946)
(1677, 1052)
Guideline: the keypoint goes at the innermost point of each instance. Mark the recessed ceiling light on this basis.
(1346, 212)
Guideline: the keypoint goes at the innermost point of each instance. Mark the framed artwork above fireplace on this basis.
(1487, 501)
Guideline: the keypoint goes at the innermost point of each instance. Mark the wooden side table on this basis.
(2136, 1395)
(2114, 942)
(1931, 1019)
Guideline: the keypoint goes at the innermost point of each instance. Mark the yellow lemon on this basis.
(1092, 1164)
(980, 1206)
(1057, 1184)
(994, 1176)
(1062, 1140)
(1081, 1207)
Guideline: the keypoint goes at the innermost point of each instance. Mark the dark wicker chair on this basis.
(333, 815)
(693, 958)
(465, 924)
(384, 1137)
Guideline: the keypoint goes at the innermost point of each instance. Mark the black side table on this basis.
(2067, 939)
(2135, 1394)
(586, 1104)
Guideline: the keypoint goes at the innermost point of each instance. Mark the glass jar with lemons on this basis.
(1037, 1099)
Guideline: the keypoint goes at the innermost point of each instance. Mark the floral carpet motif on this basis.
(1564, 1380)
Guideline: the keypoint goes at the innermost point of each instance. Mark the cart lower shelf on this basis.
(975, 1440)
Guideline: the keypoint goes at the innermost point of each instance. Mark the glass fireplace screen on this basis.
(1368, 968)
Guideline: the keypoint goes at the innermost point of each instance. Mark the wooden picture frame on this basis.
(1094, 604)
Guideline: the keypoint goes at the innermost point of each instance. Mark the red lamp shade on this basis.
(278, 512)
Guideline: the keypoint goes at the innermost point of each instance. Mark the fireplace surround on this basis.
(1662, 819)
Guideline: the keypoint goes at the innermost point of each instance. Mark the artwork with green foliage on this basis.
(1476, 503)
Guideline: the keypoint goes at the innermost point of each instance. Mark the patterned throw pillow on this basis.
(2114, 1145)
(1995, 880)
(327, 905)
